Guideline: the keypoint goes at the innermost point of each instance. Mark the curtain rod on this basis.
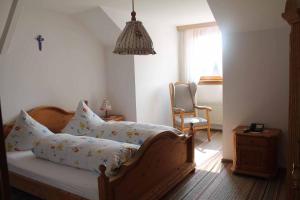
(193, 26)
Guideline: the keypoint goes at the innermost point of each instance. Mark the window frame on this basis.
(193, 26)
(210, 80)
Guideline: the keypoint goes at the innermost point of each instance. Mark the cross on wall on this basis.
(40, 39)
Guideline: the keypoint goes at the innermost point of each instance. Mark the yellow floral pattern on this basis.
(24, 133)
(83, 121)
(84, 152)
(88, 123)
(128, 132)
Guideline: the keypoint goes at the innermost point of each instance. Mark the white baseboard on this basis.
(217, 126)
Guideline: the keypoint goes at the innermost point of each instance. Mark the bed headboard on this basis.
(52, 117)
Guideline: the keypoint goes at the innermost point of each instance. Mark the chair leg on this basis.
(192, 130)
(208, 134)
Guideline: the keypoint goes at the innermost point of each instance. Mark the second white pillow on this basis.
(83, 121)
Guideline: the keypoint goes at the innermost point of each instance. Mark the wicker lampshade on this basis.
(134, 40)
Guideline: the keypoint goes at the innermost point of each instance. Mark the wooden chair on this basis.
(184, 109)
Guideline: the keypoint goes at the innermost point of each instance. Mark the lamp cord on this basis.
(132, 5)
(133, 13)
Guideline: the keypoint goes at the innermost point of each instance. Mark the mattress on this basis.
(80, 182)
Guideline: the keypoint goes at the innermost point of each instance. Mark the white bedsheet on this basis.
(80, 182)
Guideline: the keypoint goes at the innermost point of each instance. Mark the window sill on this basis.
(211, 80)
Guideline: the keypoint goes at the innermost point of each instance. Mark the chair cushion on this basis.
(196, 121)
(183, 98)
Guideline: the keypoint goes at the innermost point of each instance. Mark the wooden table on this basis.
(255, 153)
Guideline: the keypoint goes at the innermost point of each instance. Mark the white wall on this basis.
(212, 95)
(247, 16)
(119, 69)
(256, 83)
(154, 73)
(255, 66)
(70, 67)
(121, 84)
(4, 10)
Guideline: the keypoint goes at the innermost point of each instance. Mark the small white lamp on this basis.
(106, 106)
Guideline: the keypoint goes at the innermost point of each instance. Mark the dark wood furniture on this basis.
(162, 161)
(4, 182)
(255, 153)
(114, 118)
(292, 16)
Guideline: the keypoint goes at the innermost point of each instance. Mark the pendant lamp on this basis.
(134, 40)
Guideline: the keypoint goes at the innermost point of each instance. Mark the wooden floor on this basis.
(214, 180)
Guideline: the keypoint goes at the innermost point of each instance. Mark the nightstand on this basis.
(255, 153)
(114, 118)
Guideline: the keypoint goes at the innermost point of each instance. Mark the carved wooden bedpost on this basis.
(103, 183)
(292, 16)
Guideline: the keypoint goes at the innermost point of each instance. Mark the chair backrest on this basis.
(183, 95)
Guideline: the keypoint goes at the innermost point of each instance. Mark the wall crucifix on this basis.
(40, 39)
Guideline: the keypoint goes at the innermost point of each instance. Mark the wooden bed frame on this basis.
(162, 161)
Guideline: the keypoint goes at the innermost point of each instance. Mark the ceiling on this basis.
(67, 6)
(103, 28)
(243, 16)
(176, 12)
(232, 15)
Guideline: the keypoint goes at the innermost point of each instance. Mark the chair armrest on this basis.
(178, 110)
(203, 108)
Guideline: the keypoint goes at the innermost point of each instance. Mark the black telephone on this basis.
(255, 127)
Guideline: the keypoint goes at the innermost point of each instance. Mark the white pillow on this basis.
(83, 121)
(24, 133)
(84, 152)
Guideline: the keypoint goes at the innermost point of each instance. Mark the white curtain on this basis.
(200, 53)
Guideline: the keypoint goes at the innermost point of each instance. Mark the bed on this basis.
(162, 161)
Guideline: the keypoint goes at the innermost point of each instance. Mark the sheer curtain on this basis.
(200, 53)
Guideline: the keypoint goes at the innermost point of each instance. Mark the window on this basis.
(201, 54)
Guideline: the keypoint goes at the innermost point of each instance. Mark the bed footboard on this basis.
(162, 162)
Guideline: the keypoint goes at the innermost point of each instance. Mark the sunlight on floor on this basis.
(205, 152)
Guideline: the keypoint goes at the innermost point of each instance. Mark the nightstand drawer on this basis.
(255, 141)
(255, 153)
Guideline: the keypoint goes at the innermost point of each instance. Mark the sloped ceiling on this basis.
(68, 6)
(244, 15)
(4, 10)
(100, 25)
(177, 12)
(173, 12)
